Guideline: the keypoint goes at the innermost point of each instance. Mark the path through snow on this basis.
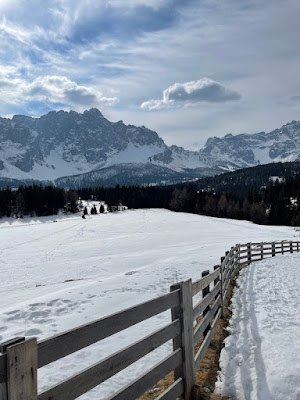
(261, 358)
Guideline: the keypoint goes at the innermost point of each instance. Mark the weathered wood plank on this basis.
(225, 275)
(227, 281)
(173, 392)
(273, 249)
(149, 378)
(205, 292)
(267, 253)
(3, 364)
(249, 248)
(176, 313)
(204, 282)
(61, 345)
(222, 287)
(100, 372)
(204, 323)
(201, 352)
(3, 390)
(187, 338)
(202, 304)
(252, 243)
(3, 359)
(256, 253)
(3, 385)
(217, 279)
(22, 370)
(243, 251)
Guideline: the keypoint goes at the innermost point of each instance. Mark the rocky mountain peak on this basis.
(66, 143)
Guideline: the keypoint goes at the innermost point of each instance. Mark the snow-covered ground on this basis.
(261, 358)
(60, 272)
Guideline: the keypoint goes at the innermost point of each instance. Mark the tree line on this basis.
(276, 204)
(36, 200)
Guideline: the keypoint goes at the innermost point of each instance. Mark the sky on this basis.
(188, 69)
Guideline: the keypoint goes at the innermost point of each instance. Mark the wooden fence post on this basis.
(222, 285)
(217, 279)
(22, 370)
(176, 313)
(3, 388)
(187, 336)
(205, 292)
(297, 247)
(249, 252)
(3, 378)
(273, 249)
(262, 250)
(291, 246)
(282, 248)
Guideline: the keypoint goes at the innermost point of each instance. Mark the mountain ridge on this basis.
(61, 145)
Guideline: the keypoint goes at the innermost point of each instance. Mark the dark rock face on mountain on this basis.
(68, 144)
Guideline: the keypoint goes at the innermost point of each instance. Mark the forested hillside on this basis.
(227, 196)
(248, 178)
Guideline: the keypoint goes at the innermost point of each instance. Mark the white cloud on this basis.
(188, 93)
(51, 89)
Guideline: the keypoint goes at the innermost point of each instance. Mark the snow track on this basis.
(261, 358)
(56, 276)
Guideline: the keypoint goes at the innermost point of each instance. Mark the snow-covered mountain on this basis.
(247, 150)
(79, 147)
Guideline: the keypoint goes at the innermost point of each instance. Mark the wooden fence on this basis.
(20, 358)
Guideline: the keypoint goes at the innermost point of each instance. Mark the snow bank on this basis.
(261, 358)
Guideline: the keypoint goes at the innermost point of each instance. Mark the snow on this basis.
(261, 358)
(276, 178)
(63, 271)
(138, 153)
(55, 166)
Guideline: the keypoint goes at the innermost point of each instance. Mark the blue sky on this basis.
(187, 69)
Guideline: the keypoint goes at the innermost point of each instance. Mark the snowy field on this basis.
(60, 272)
(261, 358)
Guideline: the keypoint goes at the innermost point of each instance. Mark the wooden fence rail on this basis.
(190, 323)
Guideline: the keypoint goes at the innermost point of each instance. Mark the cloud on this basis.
(51, 89)
(203, 90)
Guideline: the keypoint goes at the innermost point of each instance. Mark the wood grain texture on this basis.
(100, 372)
(176, 313)
(149, 378)
(200, 307)
(204, 282)
(22, 370)
(187, 338)
(205, 321)
(59, 346)
(3, 361)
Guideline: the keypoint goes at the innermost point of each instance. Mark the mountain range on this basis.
(72, 149)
